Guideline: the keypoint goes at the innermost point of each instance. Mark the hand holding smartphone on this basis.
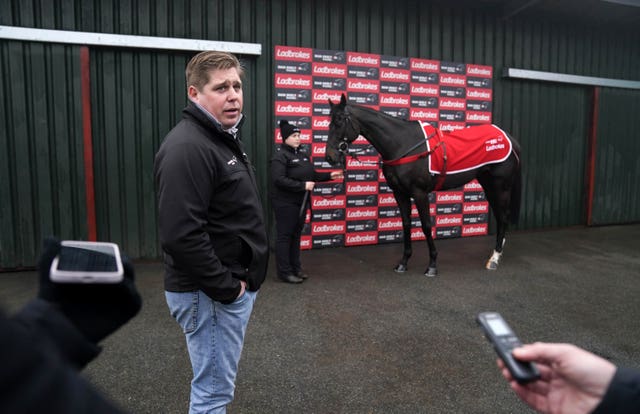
(87, 262)
(504, 340)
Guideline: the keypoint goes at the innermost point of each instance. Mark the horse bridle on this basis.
(343, 146)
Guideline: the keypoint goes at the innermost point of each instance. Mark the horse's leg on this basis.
(422, 204)
(404, 203)
(498, 193)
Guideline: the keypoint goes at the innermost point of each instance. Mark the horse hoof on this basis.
(400, 268)
(431, 272)
(492, 265)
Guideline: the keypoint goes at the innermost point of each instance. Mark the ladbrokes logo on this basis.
(389, 224)
(424, 90)
(449, 197)
(478, 70)
(453, 80)
(354, 239)
(394, 100)
(424, 65)
(451, 103)
(452, 126)
(319, 150)
(494, 144)
(473, 186)
(386, 200)
(394, 75)
(300, 108)
(362, 163)
(325, 96)
(472, 208)
(293, 53)
(449, 220)
(423, 114)
(362, 59)
(292, 81)
(362, 213)
(418, 234)
(334, 227)
(475, 229)
(482, 117)
(355, 188)
(333, 202)
(321, 122)
(323, 69)
(363, 85)
(480, 94)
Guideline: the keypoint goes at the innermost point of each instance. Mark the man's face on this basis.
(221, 96)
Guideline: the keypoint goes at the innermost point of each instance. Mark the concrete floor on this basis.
(359, 338)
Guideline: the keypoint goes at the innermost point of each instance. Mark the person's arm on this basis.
(623, 394)
(573, 381)
(35, 374)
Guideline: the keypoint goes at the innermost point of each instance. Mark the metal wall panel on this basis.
(617, 172)
(41, 150)
(137, 96)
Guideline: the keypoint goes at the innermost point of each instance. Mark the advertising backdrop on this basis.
(362, 209)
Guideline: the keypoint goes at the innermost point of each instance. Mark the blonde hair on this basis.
(199, 67)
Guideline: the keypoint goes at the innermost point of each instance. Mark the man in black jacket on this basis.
(211, 227)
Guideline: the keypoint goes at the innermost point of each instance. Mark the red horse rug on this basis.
(465, 149)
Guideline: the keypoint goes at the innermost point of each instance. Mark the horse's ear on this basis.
(343, 100)
(330, 103)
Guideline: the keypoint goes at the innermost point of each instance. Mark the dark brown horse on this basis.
(403, 149)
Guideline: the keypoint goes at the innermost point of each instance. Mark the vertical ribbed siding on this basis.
(617, 172)
(41, 152)
(137, 96)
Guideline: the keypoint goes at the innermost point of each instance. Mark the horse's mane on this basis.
(381, 114)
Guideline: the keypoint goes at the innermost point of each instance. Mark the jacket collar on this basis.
(290, 149)
(204, 117)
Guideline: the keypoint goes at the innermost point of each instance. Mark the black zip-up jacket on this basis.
(210, 215)
(290, 169)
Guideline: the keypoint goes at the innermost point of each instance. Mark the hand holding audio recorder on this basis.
(504, 340)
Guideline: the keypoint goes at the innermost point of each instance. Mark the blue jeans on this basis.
(214, 334)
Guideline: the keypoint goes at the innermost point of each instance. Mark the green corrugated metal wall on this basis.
(41, 166)
(137, 96)
(617, 177)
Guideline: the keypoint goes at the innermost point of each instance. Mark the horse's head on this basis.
(343, 130)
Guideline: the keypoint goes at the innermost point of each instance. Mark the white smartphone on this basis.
(87, 262)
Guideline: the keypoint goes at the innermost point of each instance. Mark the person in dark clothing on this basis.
(52, 337)
(292, 175)
(574, 381)
(211, 227)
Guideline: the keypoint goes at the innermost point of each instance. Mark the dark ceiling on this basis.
(623, 14)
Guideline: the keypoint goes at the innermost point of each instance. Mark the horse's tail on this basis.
(516, 190)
